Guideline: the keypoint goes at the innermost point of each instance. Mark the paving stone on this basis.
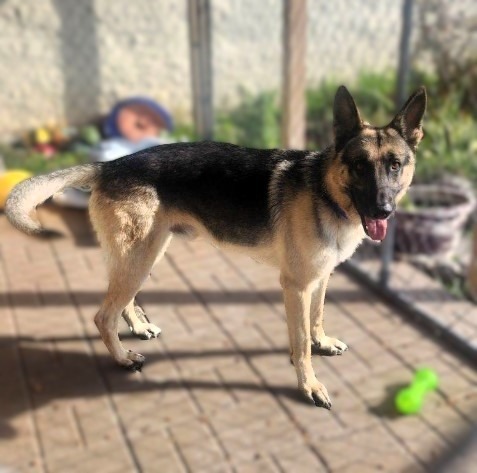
(217, 392)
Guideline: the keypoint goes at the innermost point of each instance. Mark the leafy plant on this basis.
(255, 122)
(449, 146)
(373, 93)
(37, 163)
(450, 142)
(448, 38)
(183, 131)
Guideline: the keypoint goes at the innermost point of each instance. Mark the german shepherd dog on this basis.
(303, 212)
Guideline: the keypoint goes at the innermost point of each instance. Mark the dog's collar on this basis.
(334, 206)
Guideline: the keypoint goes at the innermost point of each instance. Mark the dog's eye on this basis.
(359, 167)
(395, 166)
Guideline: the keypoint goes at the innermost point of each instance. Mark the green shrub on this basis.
(449, 146)
(255, 122)
(450, 141)
(372, 92)
(37, 163)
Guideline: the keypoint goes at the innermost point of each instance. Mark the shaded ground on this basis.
(217, 392)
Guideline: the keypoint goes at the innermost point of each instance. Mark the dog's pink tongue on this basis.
(376, 228)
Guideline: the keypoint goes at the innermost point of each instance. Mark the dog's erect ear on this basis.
(408, 122)
(346, 120)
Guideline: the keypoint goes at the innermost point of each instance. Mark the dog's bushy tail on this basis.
(26, 195)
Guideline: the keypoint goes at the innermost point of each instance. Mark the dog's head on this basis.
(374, 166)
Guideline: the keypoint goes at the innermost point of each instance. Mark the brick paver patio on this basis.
(217, 393)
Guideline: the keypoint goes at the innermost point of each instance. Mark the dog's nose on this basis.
(384, 210)
(384, 204)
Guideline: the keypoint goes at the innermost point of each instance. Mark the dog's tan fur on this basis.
(135, 229)
(135, 233)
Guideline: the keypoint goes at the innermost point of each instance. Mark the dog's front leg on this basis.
(324, 345)
(297, 297)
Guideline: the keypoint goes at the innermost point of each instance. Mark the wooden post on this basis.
(201, 66)
(294, 74)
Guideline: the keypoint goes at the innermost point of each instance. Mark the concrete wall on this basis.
(68, 60)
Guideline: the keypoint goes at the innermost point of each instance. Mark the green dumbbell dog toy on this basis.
(409, 400)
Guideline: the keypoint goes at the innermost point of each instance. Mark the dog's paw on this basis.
(318, 393)
(133, 361)
(140, 325)
(328, 346)
(145, 330)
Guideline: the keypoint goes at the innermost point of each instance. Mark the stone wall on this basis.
(68, 60)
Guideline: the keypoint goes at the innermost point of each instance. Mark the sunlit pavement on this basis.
(217, 392)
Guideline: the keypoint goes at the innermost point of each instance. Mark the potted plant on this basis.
(432, 217)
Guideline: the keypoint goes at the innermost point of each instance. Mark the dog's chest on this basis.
(345, 240)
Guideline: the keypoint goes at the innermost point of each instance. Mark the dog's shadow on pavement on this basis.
(386, 408)
(33, 374)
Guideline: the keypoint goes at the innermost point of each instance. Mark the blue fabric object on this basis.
(110, 126)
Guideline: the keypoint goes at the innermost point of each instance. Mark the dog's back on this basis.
(224, 186)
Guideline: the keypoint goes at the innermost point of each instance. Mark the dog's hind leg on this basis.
(138, 322)
(131, 229)
(127, 273)
(134, 314)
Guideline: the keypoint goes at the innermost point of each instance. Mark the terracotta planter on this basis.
(435, 225)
